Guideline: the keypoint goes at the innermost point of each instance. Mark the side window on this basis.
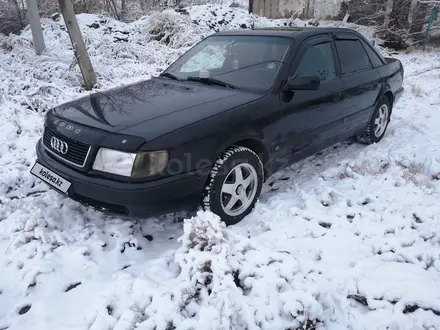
(318, 60)
(352, 56)
(375, 59)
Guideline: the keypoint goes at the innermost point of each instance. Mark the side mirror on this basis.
(303, 82)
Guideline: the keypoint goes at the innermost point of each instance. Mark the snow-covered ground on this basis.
(346, 239)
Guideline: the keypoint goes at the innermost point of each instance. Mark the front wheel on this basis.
(378, 123)
(234, 184)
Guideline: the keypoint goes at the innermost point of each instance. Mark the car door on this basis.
(310, 119)
(361, 82)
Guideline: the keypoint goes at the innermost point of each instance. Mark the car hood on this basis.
(153, 107)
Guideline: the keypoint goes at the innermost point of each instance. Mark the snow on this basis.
(346, 239)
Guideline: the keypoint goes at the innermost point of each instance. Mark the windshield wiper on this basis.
(170, 75)
(211, 81)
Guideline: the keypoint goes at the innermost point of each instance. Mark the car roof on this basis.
(290, 32)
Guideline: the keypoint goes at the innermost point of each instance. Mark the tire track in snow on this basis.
(419, 73)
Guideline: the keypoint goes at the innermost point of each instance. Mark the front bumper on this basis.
(163, 196)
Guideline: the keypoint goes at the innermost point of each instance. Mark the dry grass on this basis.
(416, 91)
(412, 172)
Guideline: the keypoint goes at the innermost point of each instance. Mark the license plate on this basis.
(50, 177)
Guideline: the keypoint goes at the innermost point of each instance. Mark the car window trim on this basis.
(310, 42)
(351, 37)
(348, 35)
(279, 79)
(373, 50)
(344, 36)
(353, 73)
(337, 75)
(336, 58)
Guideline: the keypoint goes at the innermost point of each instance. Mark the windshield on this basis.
(247, 62)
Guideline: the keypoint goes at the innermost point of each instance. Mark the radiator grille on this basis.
(76, 154)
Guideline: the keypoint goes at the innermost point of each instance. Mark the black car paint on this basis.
(170, 194)
(195, 122)
(162, 105)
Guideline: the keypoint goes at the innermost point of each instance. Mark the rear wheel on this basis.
(378, 124)
(234, 184)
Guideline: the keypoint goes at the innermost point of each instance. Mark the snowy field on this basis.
(346, 239)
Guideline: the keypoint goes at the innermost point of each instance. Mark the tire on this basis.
(223, 195)
(378, 123)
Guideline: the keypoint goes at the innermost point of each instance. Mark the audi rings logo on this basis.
(59, 145)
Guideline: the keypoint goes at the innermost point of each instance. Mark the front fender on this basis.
(242, 140)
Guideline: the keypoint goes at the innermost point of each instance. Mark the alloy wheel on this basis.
(381, 120)
(238, 189)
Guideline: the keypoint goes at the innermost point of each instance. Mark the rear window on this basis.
(375, 59)
(352, 56)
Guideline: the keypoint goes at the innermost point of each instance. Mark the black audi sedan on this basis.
(207, 133)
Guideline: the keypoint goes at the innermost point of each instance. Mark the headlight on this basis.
(149, 163)
(135, 165)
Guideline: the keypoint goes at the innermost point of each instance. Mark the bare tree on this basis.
(388, 10)
(37, 31)
(81, 54)
(412, 8)
(13, 16)
(401, 23)
(123, 8)
(19, 10)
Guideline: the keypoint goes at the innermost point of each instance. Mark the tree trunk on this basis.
(310, 9)
(412, 9)
(35, 23)
(79, 47)
(19, 10)
(388, 10)
(123, 8)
